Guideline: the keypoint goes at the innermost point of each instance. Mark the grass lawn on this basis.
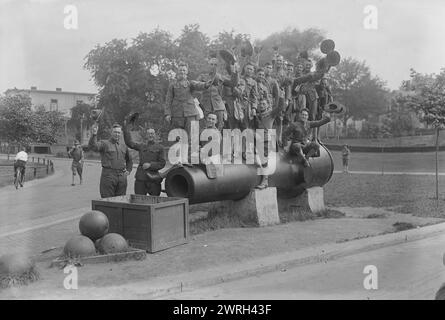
(391, 162)
(402, 193)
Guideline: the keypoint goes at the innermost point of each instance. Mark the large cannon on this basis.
(290, 178)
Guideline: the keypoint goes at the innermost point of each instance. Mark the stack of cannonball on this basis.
(17, 269)
(93, 227)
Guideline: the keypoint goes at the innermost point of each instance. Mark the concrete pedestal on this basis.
(306, 205)
(259, 207)
(262, 207)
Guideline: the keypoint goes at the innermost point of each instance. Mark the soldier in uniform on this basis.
(249, 94)
(211, 99)
(267, 113)
(324, 95)
(308, 89)
(273, 83)
(151, 160)
(76, 153)
(297, 135)
(180, 108)
(290, 112)
(116, 162)
(300, 98)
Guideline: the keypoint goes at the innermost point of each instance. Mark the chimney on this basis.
(33, 88)
(58, 89)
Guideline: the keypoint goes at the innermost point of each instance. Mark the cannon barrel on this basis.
(290, 178)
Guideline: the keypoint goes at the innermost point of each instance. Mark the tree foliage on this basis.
(365, 96)
(21, 125)
(426, 96)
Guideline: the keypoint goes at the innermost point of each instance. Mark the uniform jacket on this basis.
(150, 152)
(249, 92)
(179, 100)
(211, 99)
(114, 155)
(299, 132)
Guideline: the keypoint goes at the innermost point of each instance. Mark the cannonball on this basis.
(15, 264)
(79, 246)
(112, 243)
(94, 225)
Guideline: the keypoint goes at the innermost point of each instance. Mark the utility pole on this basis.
(81, 128)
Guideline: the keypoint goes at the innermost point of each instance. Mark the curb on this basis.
(319, 254)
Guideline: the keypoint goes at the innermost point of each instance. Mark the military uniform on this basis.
(249, 99)
(299, 134)
(324, 97)
(211, 99)
(180, 104)
(76, 165)
(116, 161)
(152, 153)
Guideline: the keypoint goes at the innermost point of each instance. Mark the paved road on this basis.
(50, 196)
(413, 270)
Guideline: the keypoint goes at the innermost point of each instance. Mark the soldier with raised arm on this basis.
(211, 99)
(151, 160)
(116, 162)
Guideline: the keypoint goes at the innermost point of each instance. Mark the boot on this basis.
(264, 183)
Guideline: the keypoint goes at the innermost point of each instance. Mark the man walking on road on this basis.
(76, 153)
(116, 162)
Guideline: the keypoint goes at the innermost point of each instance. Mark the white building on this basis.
(57, 100)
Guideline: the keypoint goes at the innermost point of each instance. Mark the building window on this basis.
(54, 105)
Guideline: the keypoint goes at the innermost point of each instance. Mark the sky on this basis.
(37, 50)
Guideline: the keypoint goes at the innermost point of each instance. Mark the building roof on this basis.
(49, 91)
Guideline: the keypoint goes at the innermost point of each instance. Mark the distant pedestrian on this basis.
(345, 154)
(116, 162)
(76, 153)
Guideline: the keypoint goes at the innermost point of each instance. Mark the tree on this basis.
(290, 43)
(427, 98)
(17, 123)
(22, 125)
(399, 119)
(353, 85)
(193, 48)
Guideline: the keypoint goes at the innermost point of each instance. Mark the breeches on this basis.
(297, 148)
(112, 183)
(144, 187)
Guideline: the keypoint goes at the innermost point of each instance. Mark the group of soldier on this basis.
(274, 95)
(278, 95)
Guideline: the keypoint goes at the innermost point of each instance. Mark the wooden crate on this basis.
(147, 222)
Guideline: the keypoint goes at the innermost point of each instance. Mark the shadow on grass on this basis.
(229, 220)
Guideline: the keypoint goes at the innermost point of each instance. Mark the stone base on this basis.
(259, 207)
(309, 203)
(262, 208)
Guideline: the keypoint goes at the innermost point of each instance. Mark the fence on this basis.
(36, 168)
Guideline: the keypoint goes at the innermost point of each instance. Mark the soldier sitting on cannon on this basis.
(298, 137)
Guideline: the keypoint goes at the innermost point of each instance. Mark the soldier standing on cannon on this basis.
(211, 99)
(249, 93)
(180, 109)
